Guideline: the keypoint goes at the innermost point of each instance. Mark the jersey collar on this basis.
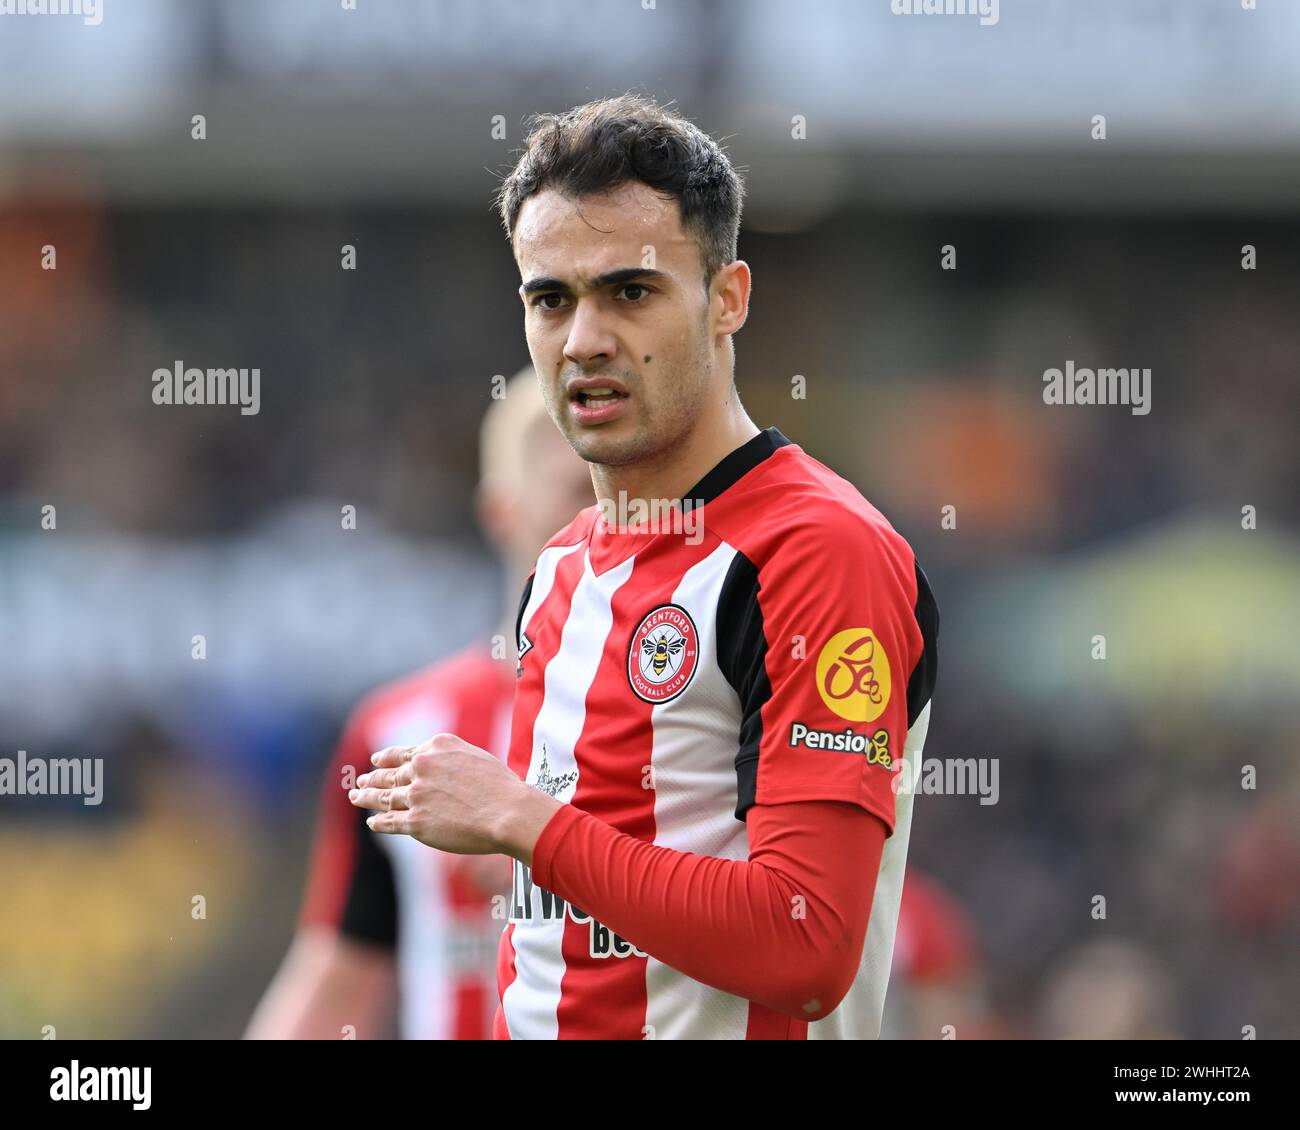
(734, 467)
(609, 548)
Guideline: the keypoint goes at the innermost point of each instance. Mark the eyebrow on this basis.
(609, 278)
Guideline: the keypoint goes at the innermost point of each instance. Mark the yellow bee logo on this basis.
(853, 675)
(878, 749)
(660, 650)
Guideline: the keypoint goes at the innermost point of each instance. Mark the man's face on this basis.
(624, 350)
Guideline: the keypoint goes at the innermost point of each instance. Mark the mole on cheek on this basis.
(647, 359)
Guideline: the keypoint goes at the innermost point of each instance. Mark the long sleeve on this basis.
(784, 928)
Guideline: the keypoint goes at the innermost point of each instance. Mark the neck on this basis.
(670, 473)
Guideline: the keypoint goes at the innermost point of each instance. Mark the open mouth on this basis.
(598, 397)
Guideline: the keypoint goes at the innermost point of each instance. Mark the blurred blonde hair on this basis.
(508, 433)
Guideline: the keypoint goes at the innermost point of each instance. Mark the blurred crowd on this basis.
(1122, 778)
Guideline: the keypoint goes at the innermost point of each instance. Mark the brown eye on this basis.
(635, 299)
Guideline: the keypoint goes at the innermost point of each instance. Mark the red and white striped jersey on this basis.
(397, 892)
(782, 650)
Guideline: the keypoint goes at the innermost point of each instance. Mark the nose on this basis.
(589, 342)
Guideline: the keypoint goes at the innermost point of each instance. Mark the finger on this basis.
(390, 823)
(366, 798)
(379, 800)
(392, 757)
(386, 778)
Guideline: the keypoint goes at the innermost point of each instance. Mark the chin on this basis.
(610, 450)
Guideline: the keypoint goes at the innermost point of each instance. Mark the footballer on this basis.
(698, 799)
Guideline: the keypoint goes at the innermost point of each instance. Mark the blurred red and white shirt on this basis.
(396, 891)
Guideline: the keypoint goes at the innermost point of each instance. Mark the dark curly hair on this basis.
(601, 145)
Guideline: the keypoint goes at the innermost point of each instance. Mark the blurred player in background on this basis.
(392, 929)
(936, 987)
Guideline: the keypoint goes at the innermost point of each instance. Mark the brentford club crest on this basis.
(663, 654)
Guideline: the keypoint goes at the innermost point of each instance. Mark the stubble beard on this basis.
(656, 432)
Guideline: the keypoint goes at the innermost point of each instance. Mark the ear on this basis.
(495, 513)
(730, 288)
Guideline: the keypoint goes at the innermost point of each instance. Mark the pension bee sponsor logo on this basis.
(853, 675)
(874, 747)
(663, 654)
